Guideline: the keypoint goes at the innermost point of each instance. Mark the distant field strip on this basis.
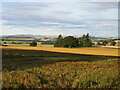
(88, 50)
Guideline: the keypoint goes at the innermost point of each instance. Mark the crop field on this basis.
(87, 50)
(45, 69)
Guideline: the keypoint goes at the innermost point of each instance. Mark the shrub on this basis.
(113, 43)
(34, 43)
(105, 42)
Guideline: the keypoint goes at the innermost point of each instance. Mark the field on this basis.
(24, 42)
(33, 67)
(87, 50)
(19, 43)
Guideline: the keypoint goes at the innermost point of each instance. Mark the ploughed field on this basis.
(44, 69)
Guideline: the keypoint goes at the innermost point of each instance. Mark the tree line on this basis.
(105, 43)
(71, 41)
(83, 41)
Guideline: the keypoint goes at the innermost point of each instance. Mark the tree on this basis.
(34, 43)
(80, 41)
(104, 42)
(13, 43)
(85, 41)
(113, 43)
(59, 41)
(70, 42)
(5, 42)
(93, 43)
(99, 43)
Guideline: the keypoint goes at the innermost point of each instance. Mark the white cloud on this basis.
(60, 0)
(54, 18)
(75, 26)
(106, 24)
(64, 29)
(50, 23)
(55, 29)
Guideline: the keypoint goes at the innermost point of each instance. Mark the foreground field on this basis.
(88, 50)
(43, 69)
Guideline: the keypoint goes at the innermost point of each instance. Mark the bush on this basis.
(113, 43)
(5, 42)
(99, 43)
(13, 43)
(4, 45)
(104, 42)
(33, 43)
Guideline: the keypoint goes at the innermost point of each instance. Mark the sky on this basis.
(53, 18)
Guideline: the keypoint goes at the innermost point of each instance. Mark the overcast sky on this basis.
(66, 18)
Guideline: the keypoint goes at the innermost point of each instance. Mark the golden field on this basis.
(88, 50)
(47, 67)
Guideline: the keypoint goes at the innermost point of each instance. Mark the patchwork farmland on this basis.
(48, 67)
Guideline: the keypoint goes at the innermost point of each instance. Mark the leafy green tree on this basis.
(59, 41)
(70, 42)
(34, 43)
(5, 42)
(113, 43)
(99, 43)
(80, 41)
(85, 41)
(13, 43)
(93, 43)
(104, 42)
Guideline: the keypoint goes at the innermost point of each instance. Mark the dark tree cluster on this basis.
(34, 43)
(59, 41)
(105, 43)
(85, 41)
(113, 43)
(71, 41)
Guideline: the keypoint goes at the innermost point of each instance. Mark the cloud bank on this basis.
(53, 18)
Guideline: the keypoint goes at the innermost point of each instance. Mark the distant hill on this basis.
(24, 37)
(21, 36)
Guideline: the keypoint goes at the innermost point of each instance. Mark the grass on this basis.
(44, 69)
(24, 42)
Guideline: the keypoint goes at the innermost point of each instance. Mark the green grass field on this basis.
(43, 69)
(17, 41)
(23, 43)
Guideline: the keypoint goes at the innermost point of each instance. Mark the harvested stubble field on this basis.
(88, 50)
(45, 69)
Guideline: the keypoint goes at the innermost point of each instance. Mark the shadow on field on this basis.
(14, 59)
